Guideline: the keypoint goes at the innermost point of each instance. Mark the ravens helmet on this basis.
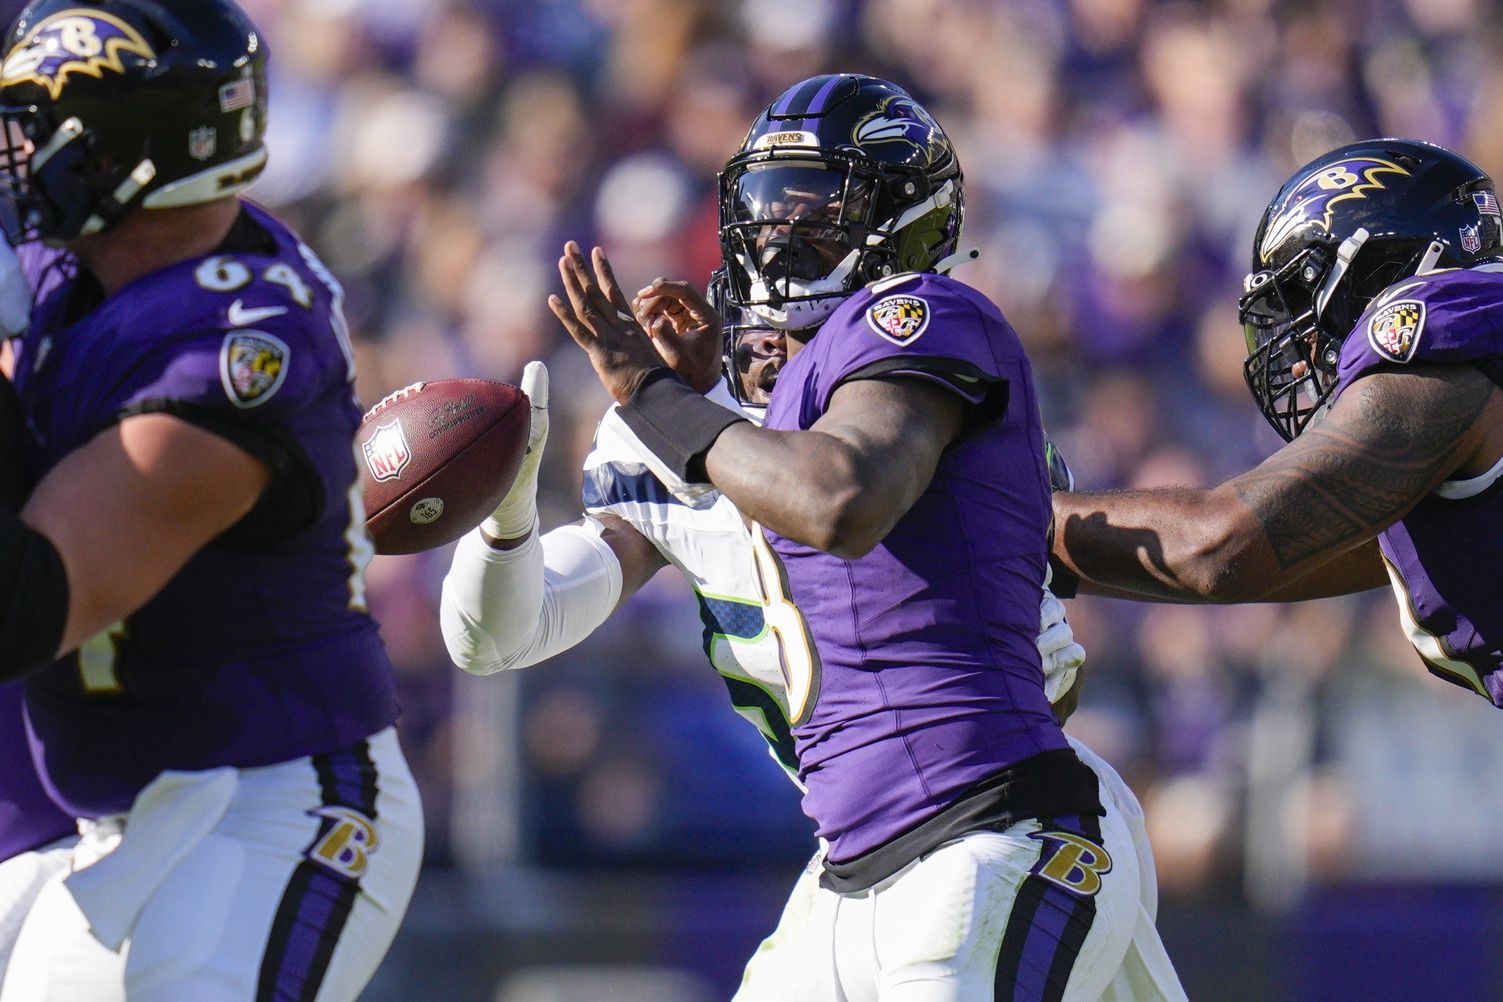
(843, 180)
(111, 105)
(1345, 227)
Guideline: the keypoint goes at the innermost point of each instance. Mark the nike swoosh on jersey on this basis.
(241, 316)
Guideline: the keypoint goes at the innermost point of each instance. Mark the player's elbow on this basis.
(854, 535)
(471, 653)
(853, 523)
(471, 648)
(482, 658)
(844, 507)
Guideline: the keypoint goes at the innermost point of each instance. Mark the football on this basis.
(436, 458)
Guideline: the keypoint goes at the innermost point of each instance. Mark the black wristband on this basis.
(1064, 582)
(33, 598)
(676, 424)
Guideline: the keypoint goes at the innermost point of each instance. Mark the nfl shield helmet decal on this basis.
(252, 367)
(1394, 331)
(1471, 238)
(899, 319)
(387, 453)
(203, 142)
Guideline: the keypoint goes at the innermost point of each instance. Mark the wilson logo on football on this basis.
(87, 42)
(386, 451)
(900, 319)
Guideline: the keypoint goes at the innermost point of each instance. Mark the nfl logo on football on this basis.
(386, 452)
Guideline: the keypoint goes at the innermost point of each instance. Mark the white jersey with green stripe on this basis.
(700, 532)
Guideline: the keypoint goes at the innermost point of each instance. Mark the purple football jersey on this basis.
(928, 677)
(1443, 556)
(260, 650)
(27, 817)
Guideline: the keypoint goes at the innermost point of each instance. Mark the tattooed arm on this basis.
(1274, 532)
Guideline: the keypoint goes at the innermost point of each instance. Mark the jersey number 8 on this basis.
(787, 623)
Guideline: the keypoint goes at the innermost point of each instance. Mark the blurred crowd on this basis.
(1117, 154)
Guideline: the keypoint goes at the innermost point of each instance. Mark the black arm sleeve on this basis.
(33, 599)
(1065, 583)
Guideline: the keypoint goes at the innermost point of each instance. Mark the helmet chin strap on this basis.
(939, 200)
(70, 130)
(949, 264)
(1431, 260)
(1344, 255)
(212, 184)
(798, 315)
(139, 178)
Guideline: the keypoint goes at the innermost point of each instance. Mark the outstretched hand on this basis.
(599, 319)
(684, 328)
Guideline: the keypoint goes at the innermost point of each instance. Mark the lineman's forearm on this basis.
(1174, 544)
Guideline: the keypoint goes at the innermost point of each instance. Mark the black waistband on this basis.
(1049, 784)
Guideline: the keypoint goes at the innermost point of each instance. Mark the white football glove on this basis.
(15, 294)
(1061, 655)
(517, 513)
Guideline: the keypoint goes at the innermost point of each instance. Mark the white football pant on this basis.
(284, 882)
(22, 878)
(1061, 910)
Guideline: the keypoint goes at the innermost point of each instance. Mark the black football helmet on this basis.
(738, 326)
(843, 180)
(1345, 227)
(111, 105)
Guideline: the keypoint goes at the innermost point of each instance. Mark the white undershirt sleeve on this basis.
(513, 608)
